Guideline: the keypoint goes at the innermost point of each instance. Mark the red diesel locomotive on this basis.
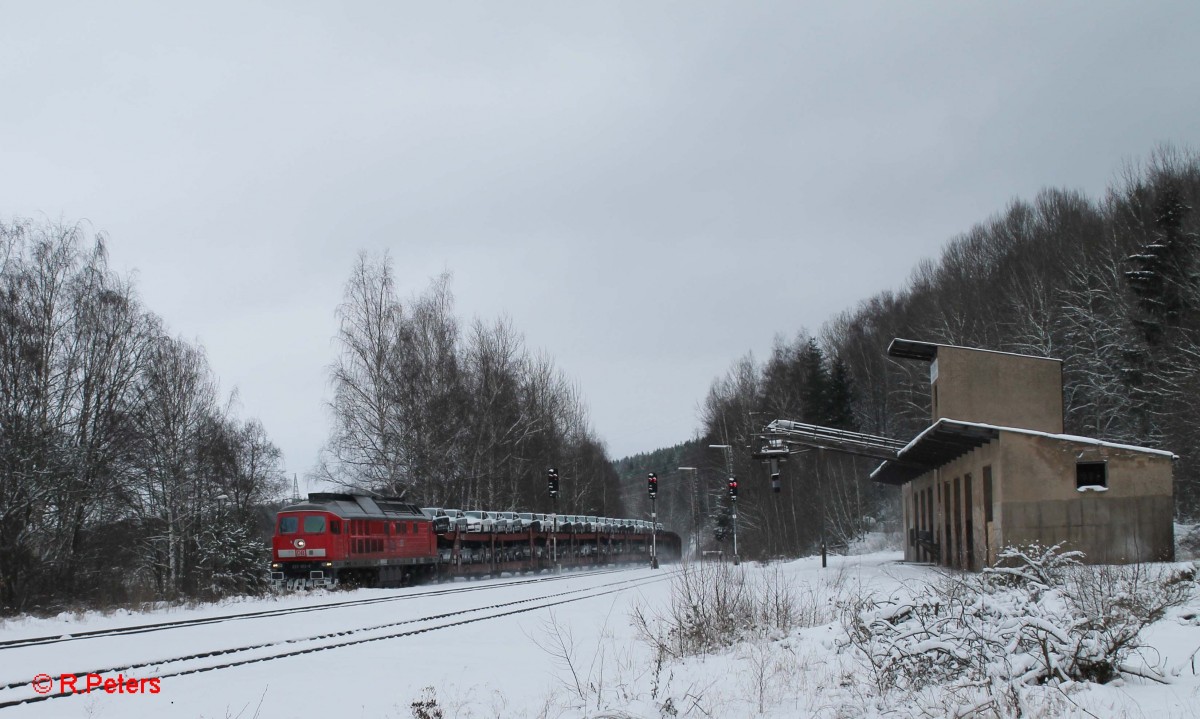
(352, 538)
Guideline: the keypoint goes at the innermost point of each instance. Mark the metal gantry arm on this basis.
(839, 440)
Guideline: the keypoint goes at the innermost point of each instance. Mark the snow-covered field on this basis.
(564, 647)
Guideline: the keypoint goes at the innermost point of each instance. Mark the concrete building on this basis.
(995, 469)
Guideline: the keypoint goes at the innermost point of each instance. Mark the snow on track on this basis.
(343, 630)
(161, 626)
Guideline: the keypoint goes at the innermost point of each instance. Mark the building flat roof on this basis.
(912, 349)
(927, 351)
(949, 439)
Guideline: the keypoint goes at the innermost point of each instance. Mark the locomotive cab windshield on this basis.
(313, 524)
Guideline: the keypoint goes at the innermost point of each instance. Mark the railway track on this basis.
(268, 651)
(283, 611)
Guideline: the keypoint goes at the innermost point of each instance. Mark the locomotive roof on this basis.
(356, 505)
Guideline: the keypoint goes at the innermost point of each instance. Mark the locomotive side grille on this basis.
(366, 546)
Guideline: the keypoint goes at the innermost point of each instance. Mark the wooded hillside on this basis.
(1111, 286)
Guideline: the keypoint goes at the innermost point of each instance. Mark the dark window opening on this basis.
(947, 538)
(335, 527)
(927, 524)
(288, 525)
(958, 523)
(1091, 474)
(314, 524)
(969, 512)
(987, 493)
(915, 522)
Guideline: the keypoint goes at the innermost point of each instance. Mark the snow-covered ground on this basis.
(566, 647)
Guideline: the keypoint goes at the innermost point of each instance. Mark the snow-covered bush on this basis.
(714, 606)
(427, 706)
(1111, 605)
(231, 561)
(1033, 565)
(710, 609)
(1037, 616)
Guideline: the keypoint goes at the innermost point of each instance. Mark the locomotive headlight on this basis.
(328, 564)
(276, 565)
(298, 543)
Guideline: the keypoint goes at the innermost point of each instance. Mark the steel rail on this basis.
(310, 650)
(283, 611)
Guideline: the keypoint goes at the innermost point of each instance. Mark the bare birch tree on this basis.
(366, 448)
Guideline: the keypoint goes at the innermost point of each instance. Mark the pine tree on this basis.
(839, 410)
(814, 376)
(1163, 268)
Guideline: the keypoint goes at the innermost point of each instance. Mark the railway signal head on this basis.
(733, 488)
(652, 484)
(774, 474)
(552, 481)
(773, 448)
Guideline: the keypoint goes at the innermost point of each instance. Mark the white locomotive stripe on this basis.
(287, 552)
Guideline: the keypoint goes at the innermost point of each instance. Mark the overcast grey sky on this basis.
(649, 190)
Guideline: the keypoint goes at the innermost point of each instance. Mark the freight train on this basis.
(363, 540)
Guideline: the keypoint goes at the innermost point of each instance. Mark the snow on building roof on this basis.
(948, 439)
(927, 351)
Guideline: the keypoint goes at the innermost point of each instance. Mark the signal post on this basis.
(733, 491)
(652, 488)
(552, 486)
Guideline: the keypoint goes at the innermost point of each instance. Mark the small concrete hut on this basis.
(995, 469)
